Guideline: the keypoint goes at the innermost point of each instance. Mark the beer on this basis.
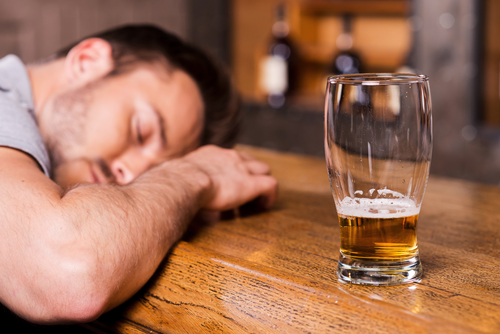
(380, 230)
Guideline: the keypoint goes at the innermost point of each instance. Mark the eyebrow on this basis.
(162, 128)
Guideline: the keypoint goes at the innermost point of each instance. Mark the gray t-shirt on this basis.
(18, 125)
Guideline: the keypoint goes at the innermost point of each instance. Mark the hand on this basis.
(236, 178)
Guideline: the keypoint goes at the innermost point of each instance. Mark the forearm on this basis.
(71, 256)
(130, 228)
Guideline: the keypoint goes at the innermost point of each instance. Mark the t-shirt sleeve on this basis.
(18, 130)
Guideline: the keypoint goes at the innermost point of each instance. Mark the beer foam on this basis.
(377, 207)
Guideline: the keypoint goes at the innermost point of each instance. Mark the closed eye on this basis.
(140, 137)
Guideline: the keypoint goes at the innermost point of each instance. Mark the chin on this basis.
(72, 173)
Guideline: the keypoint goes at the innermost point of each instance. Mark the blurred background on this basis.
(281, 52)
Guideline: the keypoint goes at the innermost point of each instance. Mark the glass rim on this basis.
(376, 79)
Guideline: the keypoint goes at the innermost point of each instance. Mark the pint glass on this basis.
(378, 146)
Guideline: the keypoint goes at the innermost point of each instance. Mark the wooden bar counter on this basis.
(274, 271)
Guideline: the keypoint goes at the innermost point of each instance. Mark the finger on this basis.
(256, 167)
(208, 216)
(246, 156)
(268, 190)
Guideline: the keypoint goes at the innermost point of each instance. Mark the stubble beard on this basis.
(68, 120)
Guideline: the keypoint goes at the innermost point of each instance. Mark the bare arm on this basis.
(71, 256)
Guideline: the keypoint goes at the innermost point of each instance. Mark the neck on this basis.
(46, 79)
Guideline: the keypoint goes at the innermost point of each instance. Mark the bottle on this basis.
(346, 61)
(277, 68)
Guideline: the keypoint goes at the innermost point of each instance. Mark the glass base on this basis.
(379, 273)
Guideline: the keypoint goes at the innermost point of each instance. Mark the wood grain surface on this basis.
(274, 271)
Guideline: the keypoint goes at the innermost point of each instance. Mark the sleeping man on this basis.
(107, 151)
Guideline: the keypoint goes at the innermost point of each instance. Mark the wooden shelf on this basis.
(315, 53)
(380, 29)
(356, 7)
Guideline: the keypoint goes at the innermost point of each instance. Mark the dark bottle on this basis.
(346, 61)
(278, 67)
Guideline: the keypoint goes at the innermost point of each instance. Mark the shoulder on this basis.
(16, 165)
(20, 131)
(13, 71)
(18, 126)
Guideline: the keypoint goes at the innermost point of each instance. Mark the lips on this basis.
(96, 177)
(93, 176)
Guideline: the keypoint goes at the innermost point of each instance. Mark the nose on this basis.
(125, 169)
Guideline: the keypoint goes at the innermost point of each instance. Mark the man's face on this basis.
(114, 129)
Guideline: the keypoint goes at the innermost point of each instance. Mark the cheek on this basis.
(108, 133)
(188, 132)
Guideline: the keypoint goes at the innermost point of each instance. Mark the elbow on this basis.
(68, 307)
(78, 307)
(66, 312)
(69, 295)
(65, 309)
(59, 277)
(69, 312)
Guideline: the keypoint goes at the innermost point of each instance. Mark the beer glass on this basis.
(378, 146)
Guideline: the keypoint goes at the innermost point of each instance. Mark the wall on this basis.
(34, 29)
(448, 44)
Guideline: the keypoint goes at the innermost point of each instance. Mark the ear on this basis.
(89, 60)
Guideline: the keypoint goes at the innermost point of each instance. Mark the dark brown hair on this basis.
(136, 43)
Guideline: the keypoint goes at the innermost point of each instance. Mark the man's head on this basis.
(128, 99)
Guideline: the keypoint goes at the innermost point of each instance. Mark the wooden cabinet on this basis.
(491, 64)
